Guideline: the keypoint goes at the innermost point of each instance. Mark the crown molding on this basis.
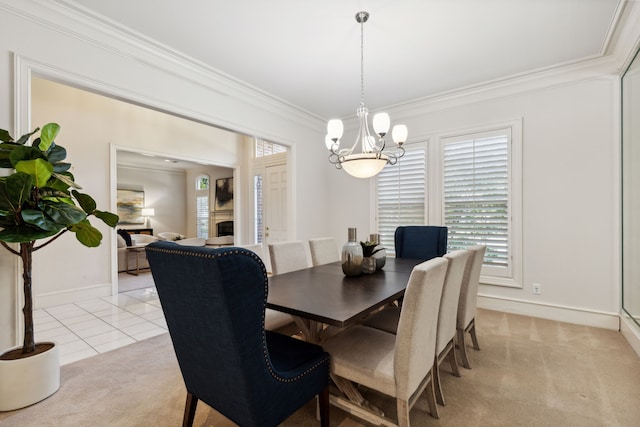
(619, 48)
(72, 20)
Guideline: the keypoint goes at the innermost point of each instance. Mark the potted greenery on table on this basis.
(372, 263)
(38, 200)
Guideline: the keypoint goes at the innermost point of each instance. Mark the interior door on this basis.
(275, 205)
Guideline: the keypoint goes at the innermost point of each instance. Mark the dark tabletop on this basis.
(324, 294)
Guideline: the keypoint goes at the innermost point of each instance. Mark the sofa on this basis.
(136, 240)
(170, 236)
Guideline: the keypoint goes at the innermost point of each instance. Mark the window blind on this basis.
(202, 216)
(476, 194)
(401, 195)
(265, 148)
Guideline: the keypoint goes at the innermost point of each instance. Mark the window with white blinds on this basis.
(401, 195)
(265, 148)
(202, 216)
(476, 196)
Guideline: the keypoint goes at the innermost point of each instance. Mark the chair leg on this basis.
(403, 412)
(463, 349)
(472, 332)
(437, 387)
(323, 399)
(430, 394)
(453, 360)
(189, 410)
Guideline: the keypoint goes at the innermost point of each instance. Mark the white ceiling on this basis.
(307, 52)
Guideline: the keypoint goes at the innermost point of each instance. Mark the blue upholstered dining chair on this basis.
(214, 304)
(420, 241)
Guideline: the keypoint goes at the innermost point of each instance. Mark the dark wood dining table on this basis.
(322, 299)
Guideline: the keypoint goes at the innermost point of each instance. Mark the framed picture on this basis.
(224, 194)
(129, 206)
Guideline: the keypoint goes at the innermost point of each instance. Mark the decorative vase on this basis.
(381, 255)
(352, 255)
(369, 265)
(29, 380)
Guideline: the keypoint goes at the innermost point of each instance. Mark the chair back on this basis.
(323, 250)
(469, 288)
(214, 305)
(192, 241)
(220, 241)
(420, 241)
(254, 248)
(416, 337)
(448, 313)
(288, 256)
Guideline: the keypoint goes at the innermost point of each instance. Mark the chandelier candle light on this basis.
(373, 157)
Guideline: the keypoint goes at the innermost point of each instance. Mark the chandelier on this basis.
(373, 154)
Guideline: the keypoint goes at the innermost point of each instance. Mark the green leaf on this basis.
(49, 192)
(86, 202)
(37, 218)
(19, 188)
(87, 234)
(61, 167)
(39, 169)
(55, 184)
(6, 148)
(63, 213)
(108, 218)
(47, 136)
(25, 152)
(24, 138)
(64, 178)
(57, 154)
(4, 136)
(23, 234)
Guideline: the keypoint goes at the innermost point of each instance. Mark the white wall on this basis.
(570, 194)
(165, 191)
(570, 150)
(48, 42)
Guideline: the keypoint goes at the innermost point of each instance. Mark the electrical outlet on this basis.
(536, 289)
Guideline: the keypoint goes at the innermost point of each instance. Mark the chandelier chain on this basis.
(362, 62)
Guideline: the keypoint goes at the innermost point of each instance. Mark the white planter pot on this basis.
(26, 381)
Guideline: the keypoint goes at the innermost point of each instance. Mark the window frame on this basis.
(434, 197)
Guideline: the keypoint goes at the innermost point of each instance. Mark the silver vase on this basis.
(381, 255)
(352, 255)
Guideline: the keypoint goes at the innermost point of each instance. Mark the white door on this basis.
(275, 207)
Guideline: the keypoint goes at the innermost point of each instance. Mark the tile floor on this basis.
(87, 328)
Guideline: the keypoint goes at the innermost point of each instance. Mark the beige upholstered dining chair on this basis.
(323, 250)
(288, 256)
(257, 249)
(273, 319)
(399, 365)
(468, 302)
(387, 319)
(447, 316)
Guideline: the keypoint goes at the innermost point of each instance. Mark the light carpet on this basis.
(530, 372)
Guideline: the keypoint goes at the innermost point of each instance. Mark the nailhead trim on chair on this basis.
(265, 351)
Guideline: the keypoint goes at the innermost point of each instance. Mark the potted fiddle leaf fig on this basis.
(39, 199)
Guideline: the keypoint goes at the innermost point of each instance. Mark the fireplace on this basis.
(224, 228)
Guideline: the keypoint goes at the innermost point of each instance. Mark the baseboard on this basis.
(631, 332)
(551, 312)
(72, 295)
